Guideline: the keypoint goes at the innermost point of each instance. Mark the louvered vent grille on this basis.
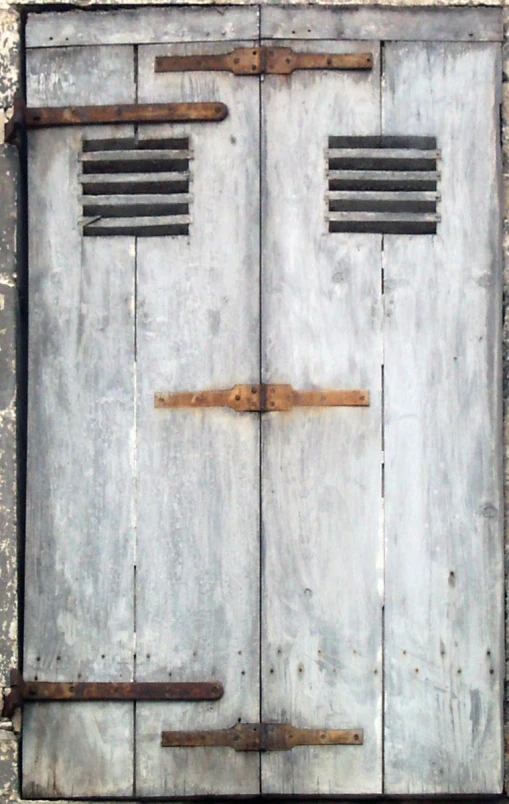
(386, 185)
(136, 188)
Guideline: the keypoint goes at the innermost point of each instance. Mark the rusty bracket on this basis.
(261, 737)
(263, 60)
(69, 691)
(46, 116)
(261, 398)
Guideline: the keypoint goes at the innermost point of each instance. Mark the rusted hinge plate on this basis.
(261, 398)
(263, 60)
(63, 691)
(261, 737)
(40, 117)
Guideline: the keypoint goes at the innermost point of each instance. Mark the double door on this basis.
(334, 231)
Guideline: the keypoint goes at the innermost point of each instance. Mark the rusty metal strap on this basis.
(261, 737)
(22, 691)
(262, 60)
(261, 398)
(41, 117)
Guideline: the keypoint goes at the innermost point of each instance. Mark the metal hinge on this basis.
(263, 60)
(47, 116)
(86, 691)
(261, 737)
(261, 398)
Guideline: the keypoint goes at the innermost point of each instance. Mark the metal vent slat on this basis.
(136, 187)
(386, 185)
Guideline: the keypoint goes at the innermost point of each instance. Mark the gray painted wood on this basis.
(445, 24)
(79, 604)
(198, 488)
(322, 548)
(141, 26)
(443, 502)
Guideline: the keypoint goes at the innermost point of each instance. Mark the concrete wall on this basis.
(12, 293)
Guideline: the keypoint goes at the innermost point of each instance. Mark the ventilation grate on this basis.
(135, 187)
(386, 185)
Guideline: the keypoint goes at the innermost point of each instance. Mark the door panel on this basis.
(198, 470)
(331, 567)
(322, 547)
(79, 603)
(444, 577)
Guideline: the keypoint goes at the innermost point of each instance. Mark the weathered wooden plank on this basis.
(141, 26)
(415, 24)
(383, 179)
(198, 510)
(322, 549)
(387, 217)
(79, 603)
(443, 503)
(136, 160)
(119, 205)
(107, 183)
(151, 225)
(80, 77)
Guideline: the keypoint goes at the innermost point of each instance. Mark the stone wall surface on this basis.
(11, 296)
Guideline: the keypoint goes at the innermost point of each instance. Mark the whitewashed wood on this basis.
(81, 76)
(79, 603)
(322, 548)
(115, 182)
(435, 24)
(198, 511)
(141, 26)
(443, 502)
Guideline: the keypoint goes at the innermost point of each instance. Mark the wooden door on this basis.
(317, 562)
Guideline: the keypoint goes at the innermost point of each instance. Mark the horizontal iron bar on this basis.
(47, 116)
(261, 737)
(83, 691)
(261, 398)
(261, 60)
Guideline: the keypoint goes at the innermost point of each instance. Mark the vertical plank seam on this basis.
(382, 440)
(135, 445)
(260, 426)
